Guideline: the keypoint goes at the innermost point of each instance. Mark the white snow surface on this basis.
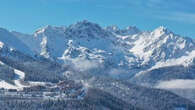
(20, 74)
(184, 60)
(17, 82)
(163, 46)
(1, 63)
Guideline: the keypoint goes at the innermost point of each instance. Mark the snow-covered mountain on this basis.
(119, 53)
(84, 52)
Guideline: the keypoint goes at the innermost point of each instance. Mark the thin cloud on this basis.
(169, 4)
(173, 10)
(177, 84)
(179, 16)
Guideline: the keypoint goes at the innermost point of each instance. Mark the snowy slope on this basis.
(9, 39)
(19, 77)
(162, 45)
(17, 81)
(6, 85)
(88, 45)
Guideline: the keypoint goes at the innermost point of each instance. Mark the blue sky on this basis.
(28, 15)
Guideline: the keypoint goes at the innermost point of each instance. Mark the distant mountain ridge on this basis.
(119, 53)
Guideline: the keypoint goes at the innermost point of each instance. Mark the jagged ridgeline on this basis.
(119, 53)
(96, 68)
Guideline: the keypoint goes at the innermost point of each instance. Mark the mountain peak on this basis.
(86, 29)
(112, 28)
(85, 24)
(161, 30)
(3, 30)
(162, 27)
(130, 30)
(41, 30)
(131, 27)
(50, 29)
